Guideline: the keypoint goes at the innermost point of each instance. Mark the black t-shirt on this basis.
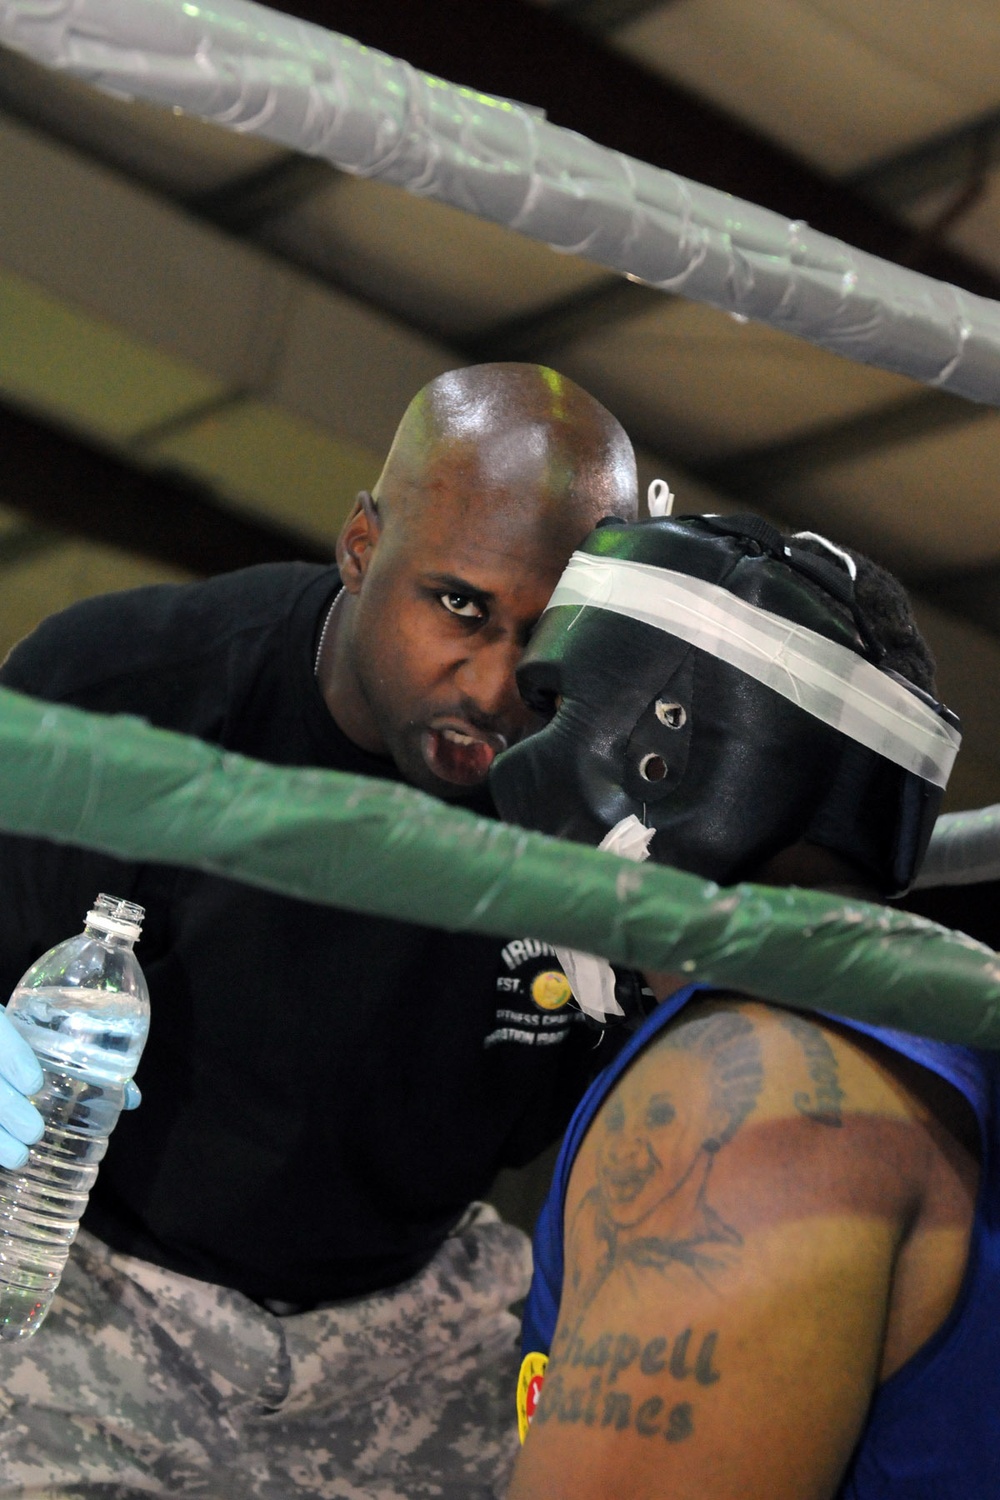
(323, 1093)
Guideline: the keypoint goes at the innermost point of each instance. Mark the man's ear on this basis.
(357, 541)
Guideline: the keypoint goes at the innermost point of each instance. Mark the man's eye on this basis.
(462, 605)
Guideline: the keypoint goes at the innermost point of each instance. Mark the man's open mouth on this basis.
(459, 753)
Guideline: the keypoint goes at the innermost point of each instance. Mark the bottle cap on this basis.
(111, 914)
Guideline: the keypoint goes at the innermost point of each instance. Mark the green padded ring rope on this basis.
(115, 784)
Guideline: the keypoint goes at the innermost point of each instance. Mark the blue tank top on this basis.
(933, 1429)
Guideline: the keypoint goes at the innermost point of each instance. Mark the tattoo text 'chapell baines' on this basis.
(600, 1400)
(618, 1410)
(686, 1356)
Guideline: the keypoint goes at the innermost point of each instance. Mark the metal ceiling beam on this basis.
(606, 15)
(244, 208)
(580, 315)
(934, 165)
(521, 51)
(62, 482)
(246, 205)
(22, 544)
(755, 473)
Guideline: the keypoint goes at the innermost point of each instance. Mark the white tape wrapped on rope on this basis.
(260, 72)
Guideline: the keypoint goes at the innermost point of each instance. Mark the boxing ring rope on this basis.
(260, 72)
(122, 787)
(114, 783)
(964, 849)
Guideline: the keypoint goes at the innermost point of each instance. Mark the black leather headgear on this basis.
(726, 768)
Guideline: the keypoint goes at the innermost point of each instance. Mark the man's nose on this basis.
(486, 678)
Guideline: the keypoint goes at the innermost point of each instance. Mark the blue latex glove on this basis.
(20, 1075)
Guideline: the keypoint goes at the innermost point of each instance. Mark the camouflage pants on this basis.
(145, 1383)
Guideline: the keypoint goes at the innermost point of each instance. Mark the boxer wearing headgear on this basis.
(762, 1270)
(760, 735)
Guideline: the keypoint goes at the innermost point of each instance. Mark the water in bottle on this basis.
(84, 1009)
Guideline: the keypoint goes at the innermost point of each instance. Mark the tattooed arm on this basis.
(767, 1217)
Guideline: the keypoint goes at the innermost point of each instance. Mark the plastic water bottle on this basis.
(84, 1010)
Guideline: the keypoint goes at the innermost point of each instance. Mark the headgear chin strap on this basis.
(716, 679)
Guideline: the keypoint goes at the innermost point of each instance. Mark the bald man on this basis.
(281, 1287)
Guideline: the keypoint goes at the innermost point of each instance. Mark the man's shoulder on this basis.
(103, 643)
(797, 1109)
(809, 1054)
(742, 1116)
(761, 1219)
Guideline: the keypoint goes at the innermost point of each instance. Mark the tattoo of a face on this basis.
(656, 1148)
(823, 1104)
(648, 1214)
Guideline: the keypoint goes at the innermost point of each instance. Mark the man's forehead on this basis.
(520, 471)
(495, 561)
(492, 531)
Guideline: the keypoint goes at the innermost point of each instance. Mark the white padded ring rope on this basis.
(964, 849)
(253, 70)
(825, 679)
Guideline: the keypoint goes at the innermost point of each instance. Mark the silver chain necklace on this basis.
(322, 634)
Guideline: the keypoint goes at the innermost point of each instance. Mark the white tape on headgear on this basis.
(825, 679)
